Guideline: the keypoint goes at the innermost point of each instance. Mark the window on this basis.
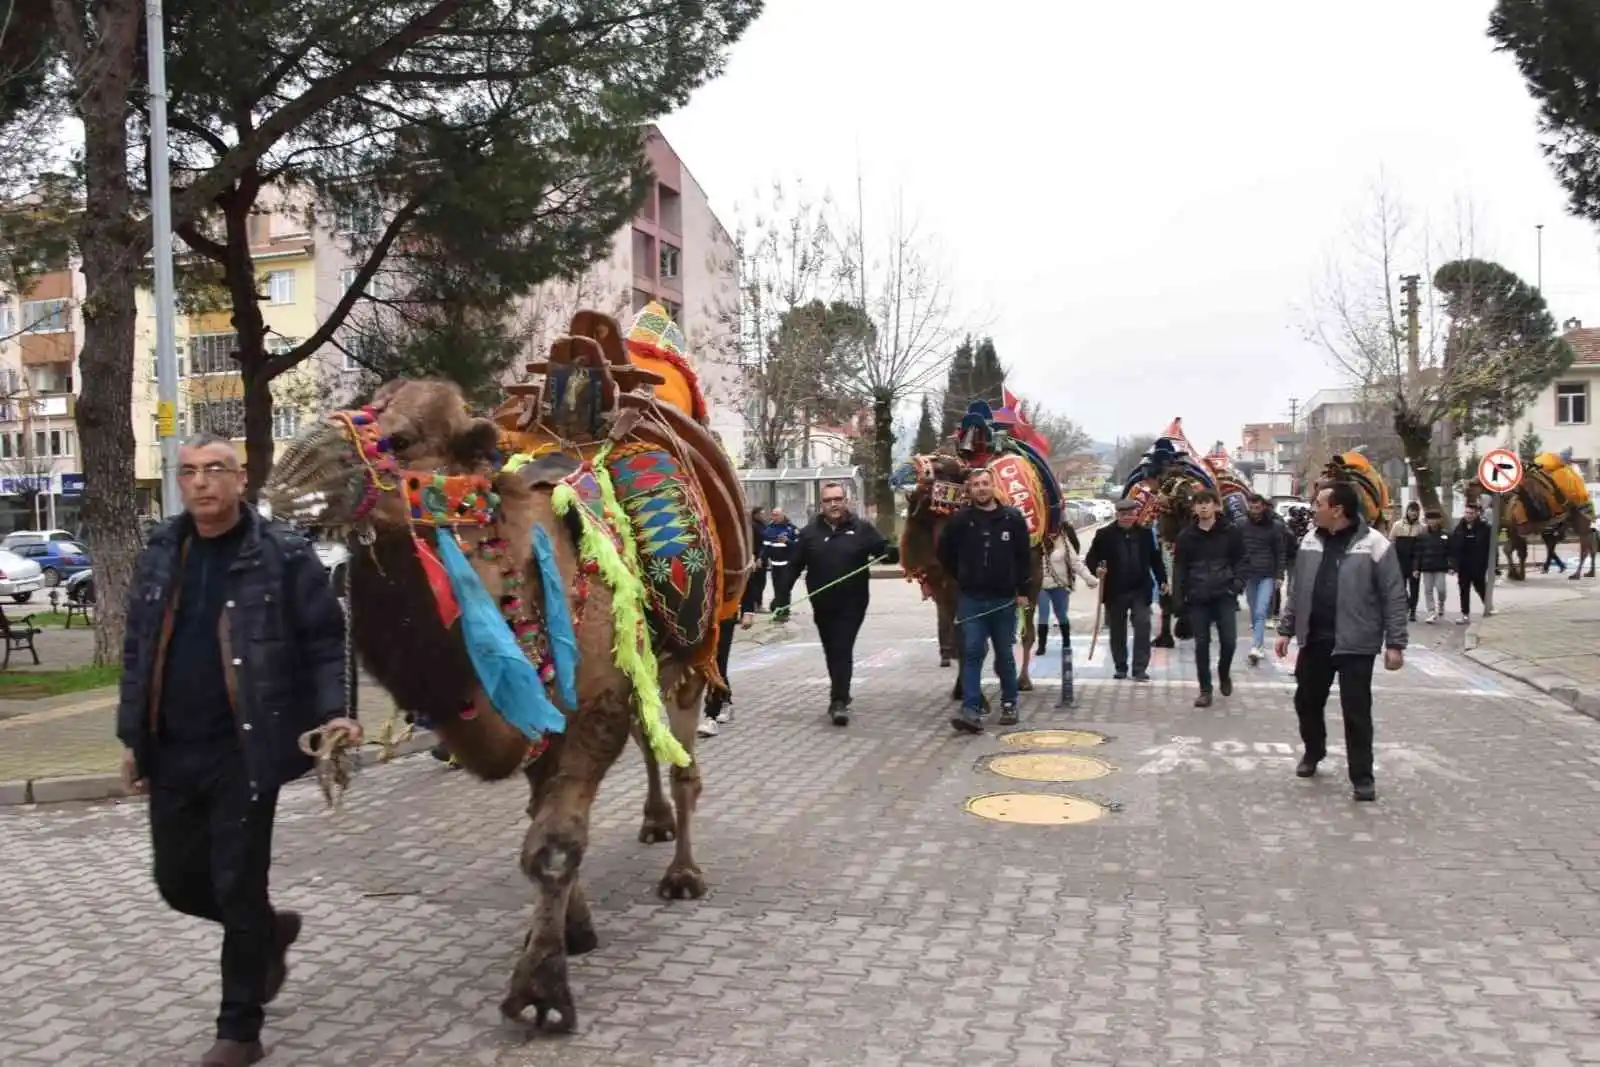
(7, 321)
(44, 316)
(212, 353)
(1572, 403)
(347, 278)
(640, 299)
(675, 310)
(39, 443)
(280, 287)
(5, 447)
(670, 261)
(61, 442)
(225, 417)
(357, 218)
(50, 377)
(285, 421)
(277, 344)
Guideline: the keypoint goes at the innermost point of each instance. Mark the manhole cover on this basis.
(1034, 809)
(1052, 739)
(1048, 766)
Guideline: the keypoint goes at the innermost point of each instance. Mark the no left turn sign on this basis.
(1500, 471)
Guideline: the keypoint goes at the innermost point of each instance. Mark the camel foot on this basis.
(682, 883)
(1025, 684)
(543, 987)
(659, 825)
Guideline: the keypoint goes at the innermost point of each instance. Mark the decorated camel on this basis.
(936, 488)
(1552, 496)
(1370, 486)
(541, 585)
(1163, 484)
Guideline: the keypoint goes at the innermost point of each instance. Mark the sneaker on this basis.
(1465, 620)
(1008, 715)
(725, 716)
(1203, 700)
(967, 721)
(839, 712)
(1255, 656)
(707, 727)
(1433, 617)
(1365, 792)
(1121, 676)
(1141, 676)
(1306, 768)
(1225, 685)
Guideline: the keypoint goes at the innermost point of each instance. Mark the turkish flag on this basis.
(1021, 428)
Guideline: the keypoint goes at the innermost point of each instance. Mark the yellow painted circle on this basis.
(1034, 809)
(1052, 739)
(1049, 767)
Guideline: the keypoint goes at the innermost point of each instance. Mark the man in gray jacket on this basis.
(1346, 603)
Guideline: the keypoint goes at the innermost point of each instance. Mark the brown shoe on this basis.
(285, 932)
(227, 1053)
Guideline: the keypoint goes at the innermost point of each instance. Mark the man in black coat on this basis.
(1471, 551)
(234, 646)
(835, 553)
(1206, 585)
(1128, 563)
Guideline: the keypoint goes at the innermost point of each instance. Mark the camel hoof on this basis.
(682, 883)
(543, 987)
(1025, 685)
(658, 828)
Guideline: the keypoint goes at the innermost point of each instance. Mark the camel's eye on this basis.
(399, 442)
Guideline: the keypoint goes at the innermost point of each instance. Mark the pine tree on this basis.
(957, 382)
(927, 439)
(988, 375)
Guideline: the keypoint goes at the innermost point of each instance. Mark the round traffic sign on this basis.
(1500, 471)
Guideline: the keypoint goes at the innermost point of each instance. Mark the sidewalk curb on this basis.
(1550, 682)
(108, 786)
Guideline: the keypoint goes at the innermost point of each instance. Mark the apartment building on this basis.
(1562, 416)
(41, 335)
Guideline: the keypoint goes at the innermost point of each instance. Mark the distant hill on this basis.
(1103, 449)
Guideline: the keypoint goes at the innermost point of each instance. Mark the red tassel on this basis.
(443, 596)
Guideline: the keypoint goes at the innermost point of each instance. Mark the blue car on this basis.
(57, 560)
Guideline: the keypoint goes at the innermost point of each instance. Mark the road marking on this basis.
(1200, 756)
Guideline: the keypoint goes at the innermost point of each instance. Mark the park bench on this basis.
(19, 635)
(80, 609)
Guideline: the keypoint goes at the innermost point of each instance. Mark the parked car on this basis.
(34, 537)
(57, 559)
(19, 578)
(80, 587)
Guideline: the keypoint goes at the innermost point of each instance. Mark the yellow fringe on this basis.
(633, 657)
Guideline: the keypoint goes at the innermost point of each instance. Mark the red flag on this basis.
(1175, 432)
(1022, 429)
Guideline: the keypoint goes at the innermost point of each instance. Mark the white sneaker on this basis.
(1433, 617)
(708, 727)
(1465, 620)
(725, 716)
(1255, 656)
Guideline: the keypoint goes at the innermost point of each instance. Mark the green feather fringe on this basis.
(632, 649)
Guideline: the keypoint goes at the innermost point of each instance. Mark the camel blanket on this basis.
(1567, 480)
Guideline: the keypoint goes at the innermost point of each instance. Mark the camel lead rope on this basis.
(333, 749)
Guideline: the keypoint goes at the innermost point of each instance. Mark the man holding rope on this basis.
(984, 548)
(835, 553)
(234, 647)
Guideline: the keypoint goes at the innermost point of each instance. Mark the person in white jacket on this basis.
(1061, 569)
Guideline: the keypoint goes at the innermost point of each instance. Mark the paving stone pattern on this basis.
(1223, 912)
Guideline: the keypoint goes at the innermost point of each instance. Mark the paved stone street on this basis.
(1544, 632)
(1219, 910)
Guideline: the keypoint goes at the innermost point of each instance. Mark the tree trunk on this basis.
(250, 335)
(1417, 440)
(110, 244)
(878, 490)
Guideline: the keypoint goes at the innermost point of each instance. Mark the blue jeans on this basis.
(1258, 594)
(984, 622)
(1056, 598)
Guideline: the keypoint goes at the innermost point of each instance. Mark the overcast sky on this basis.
(1139, 198)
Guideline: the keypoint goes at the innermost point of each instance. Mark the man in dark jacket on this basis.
(1205, 587)
(234, 646)
(1404, 535)
(984, 549)
(1128, 562)
(718, 708)
(834, 553)
(756, 588)
(1471, 552)
(1430, 562)
(1346, 603)
(778, 543)
(1263, 564)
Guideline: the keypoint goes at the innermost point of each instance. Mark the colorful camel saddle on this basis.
(1165, 478)
(1023, 478)
(1370, 486)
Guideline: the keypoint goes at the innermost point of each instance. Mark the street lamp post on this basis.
(161, 221)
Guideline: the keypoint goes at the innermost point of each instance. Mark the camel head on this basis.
(384, 464)
(1355, 468)
(934, 485)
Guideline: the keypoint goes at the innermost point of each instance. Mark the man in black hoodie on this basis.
(1128, 562)
(1471, 550)
(1206, 587)
(984, 548)
(834, 553)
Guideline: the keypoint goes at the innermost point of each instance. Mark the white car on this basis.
(334, 556)
(34, 537)
(19, 578)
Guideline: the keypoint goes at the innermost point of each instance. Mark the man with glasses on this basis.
(234, 647)
(835, 553)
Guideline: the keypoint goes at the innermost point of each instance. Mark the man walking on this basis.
(1125, 557)
(756, 586)
(778, 542)
(1205, 587)
(234, 647)
(718, 708)
(1405, 534)
(1430, 564)
(1471, 550)
(1263, 566)
(984, 549)
(834, 553)
(1346, 603)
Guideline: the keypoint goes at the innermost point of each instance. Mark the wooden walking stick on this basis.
(1099, 607)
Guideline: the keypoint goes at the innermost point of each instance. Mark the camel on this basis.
(415, 473)
(1545, 501)
(1163, 483)
(1370, 487)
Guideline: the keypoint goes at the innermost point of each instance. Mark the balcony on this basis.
(56, 347)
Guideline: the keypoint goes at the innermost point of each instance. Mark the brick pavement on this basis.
(1221, 912)
(1544, 633)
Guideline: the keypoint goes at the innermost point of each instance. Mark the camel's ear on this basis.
(476, 444)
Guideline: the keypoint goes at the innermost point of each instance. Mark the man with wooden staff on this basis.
(1125, 557)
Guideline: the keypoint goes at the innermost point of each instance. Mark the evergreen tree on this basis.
(988, 375)
(1529, 445)
(957, 382)
(927, 439)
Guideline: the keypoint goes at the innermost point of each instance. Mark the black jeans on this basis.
(1122, 606)
(758, 588)
(1314, 673)
(782, 586)
(212, 842)
(837, 626)
(1413, 590)
(1224, 614)
(716, 699)
(1465, 584)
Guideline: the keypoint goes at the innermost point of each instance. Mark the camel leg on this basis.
(580, 936)
(948, 650)
(1029, 635)
(684, 878)
(659, 823)
(552, 852)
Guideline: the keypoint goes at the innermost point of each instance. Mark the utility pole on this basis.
(1294, 412)
(1539, 232)
(1413, 313)
(161, 222)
